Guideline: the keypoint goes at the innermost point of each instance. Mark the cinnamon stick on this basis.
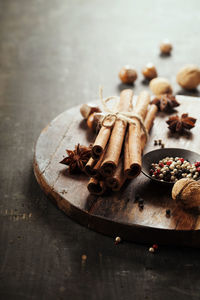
(117, 180)
(148, 122)
(96, 187)
(113, 152)
(133, 166)
(100, 142)
(89, 167)
(92, 168)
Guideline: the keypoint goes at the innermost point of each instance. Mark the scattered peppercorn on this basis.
(118, 240)
(141, 206)
(162, 146)
(159, 142)
(155, 143)
(151, 249)
(155, 246)
(168, 213)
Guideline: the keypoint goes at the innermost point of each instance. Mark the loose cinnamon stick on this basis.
(134, 137)
(148, 122)
(113, 152)
(117, 180)
(96, 187)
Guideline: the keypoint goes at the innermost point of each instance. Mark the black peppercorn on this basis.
(168, 212)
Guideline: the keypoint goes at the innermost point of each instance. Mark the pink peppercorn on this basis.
(198, 169)
(161, 165)
(155, 246)
(169, 163)
(181, 159)
(197, 164)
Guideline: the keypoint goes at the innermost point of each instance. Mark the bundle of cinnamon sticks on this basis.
(117, 150)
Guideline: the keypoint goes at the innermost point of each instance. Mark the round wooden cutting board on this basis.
(117, 214)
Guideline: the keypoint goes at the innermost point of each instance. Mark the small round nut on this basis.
(166, 47)
(149, 71)
(160, 86)
(128, 74)
(189, 77)
(90, 121)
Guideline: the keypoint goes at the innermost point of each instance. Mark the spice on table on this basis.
(179, 124)
(160, 86)
(117, 240)
(168, 213)
(128, 74)
(189, 77)
(159, 142)
(162, 146)
(155, 142)
(151, 249)
(166, 47)
(149, 71)
(77, 158)
(165, 102)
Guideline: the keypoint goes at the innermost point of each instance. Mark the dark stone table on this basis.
(55, 54)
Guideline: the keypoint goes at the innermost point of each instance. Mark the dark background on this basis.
(55, 54)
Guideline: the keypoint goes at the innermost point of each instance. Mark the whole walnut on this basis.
(189, 77)
(160, 86)
(128, 74)
(186, 192)
(149, 71)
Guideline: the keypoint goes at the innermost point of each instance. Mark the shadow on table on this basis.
(194, 93)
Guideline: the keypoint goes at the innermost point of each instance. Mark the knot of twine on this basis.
(113, 114)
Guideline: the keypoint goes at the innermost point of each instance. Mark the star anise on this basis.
(179, 124)
(77, 158)
(165, 102)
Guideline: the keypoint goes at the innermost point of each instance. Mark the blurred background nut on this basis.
(87, 109)
(149, 71)
(165, 47)
(128, 74)
(160, 86)
(189, 77)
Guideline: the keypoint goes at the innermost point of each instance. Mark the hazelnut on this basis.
(87, 109)
(189, 77)
(94, 121)
(165, 47)
(160, 86)
(128, 74)
(149, 71)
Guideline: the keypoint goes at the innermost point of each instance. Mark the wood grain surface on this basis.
(118, 213)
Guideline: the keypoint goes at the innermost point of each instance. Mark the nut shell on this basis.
(87, 109)
(189, 77)
(128, 74)
(166, 47)
(160, 86)
(149, 71)
(187, 193)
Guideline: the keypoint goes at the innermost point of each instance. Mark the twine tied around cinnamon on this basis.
(112, 115)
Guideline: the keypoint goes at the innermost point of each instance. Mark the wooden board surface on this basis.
(117, 214)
